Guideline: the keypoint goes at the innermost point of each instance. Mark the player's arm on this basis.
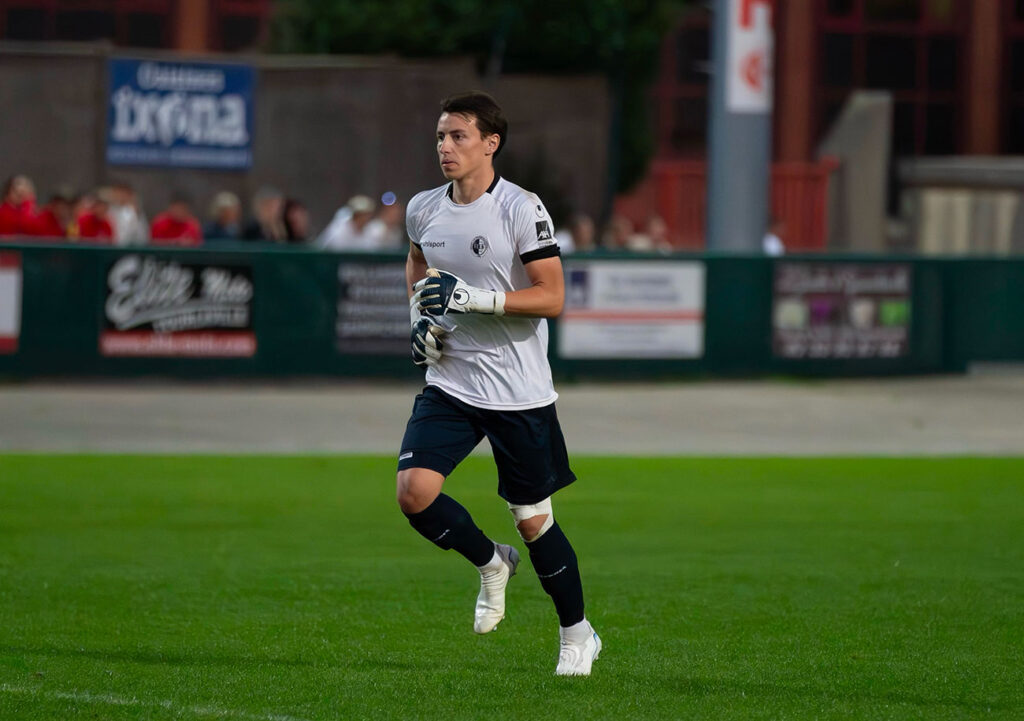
(415, 267)
(546, 294)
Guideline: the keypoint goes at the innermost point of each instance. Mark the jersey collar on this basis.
(451, 188)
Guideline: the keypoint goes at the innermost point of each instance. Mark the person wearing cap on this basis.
(351, 229)
(225, 218)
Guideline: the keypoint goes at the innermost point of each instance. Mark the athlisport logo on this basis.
(479, 245)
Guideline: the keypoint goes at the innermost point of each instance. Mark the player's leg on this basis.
(440, 518)
(555, 562)
(439, 435)
(533, 463)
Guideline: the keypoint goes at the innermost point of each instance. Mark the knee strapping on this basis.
(525, 512)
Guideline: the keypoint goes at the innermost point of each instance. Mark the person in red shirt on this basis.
(94, 225)
(18, 206)
(54, 218)
(176, 225)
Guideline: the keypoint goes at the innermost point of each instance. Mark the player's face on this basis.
(461, 149)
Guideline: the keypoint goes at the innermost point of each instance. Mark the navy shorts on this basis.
(528, 446)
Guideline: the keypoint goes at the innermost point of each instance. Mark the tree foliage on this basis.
(617, 38)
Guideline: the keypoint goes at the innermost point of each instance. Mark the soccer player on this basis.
(483, 274)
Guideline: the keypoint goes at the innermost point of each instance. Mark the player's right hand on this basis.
(426, 342)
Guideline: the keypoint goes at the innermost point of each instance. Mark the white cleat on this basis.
(490, 604)
(575, 658)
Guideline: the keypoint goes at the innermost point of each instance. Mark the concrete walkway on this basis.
(975, 414)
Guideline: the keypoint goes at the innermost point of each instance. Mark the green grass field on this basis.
(291, 588)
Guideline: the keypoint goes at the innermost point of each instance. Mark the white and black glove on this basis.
(425, 338)
(441, 293)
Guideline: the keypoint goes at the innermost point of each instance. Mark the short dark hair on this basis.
(489, 117)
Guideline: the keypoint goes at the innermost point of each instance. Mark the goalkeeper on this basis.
(483, 273)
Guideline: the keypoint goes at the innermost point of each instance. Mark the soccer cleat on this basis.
(576, 658)
(490, 604)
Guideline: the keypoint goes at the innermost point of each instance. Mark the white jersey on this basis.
(490, 361)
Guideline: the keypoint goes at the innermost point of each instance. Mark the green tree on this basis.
(618, 38)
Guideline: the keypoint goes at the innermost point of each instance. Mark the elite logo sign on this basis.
(160, 308)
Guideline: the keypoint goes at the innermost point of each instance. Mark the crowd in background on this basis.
(114, 215)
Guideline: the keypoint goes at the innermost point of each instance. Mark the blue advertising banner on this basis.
(181, 115)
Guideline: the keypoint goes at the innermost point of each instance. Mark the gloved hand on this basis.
(425, 338)
(441, 293)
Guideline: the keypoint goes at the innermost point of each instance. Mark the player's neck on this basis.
(469, 188)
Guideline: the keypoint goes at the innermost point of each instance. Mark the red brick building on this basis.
(955, 69)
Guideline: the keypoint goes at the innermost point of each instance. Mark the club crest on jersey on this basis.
(479, 245)
(543, 230)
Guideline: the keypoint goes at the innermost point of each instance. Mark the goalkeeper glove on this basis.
(425, 338)
(441, 293)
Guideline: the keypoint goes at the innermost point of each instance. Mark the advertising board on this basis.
(643, 309)
(155, 307)
(841, 310)
(180, 114)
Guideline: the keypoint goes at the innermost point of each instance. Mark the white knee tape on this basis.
(521, 513)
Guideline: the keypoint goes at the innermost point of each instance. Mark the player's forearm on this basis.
(538, 301)
(415, 269)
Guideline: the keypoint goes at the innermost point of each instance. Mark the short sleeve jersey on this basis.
(490, 361)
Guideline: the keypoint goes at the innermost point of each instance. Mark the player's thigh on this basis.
(530, 453)
(439, 434)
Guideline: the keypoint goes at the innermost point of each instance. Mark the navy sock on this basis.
(555, 563)
(447, 525)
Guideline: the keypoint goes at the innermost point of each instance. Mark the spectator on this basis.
(176, 225)
(772, 242)
(225, 218)
(351, 228)
(618, 233)
(54, 218)
(130, 225)
(296, 221)
(578, 237)
(94, 224)
(389, 227)
(267, 223)
(18, 206)
(81, 205)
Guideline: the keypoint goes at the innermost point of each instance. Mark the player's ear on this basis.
(493, 141)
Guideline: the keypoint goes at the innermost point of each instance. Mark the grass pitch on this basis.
(282, 589)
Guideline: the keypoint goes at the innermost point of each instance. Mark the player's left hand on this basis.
(441, 293)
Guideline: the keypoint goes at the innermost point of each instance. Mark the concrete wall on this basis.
(325, 127)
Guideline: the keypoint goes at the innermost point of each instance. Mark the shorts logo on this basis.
(543, 230)
(405, 456)
(479, 245)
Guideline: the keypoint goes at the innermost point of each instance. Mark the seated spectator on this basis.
(578, 237)
(388, 228)
(81, 204)
(225, 218)
(18, 206)
(130, 224)
(617, 234)
(53, 219)
(772, 243)
(351, 228)
(267, 223)
(296, 221)
(176, 225)
(94, 224)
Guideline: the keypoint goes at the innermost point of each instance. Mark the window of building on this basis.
(1013, 78)
(681, 96)
(907, 47)
(234, 24)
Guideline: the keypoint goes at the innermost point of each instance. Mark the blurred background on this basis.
(820, 186)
